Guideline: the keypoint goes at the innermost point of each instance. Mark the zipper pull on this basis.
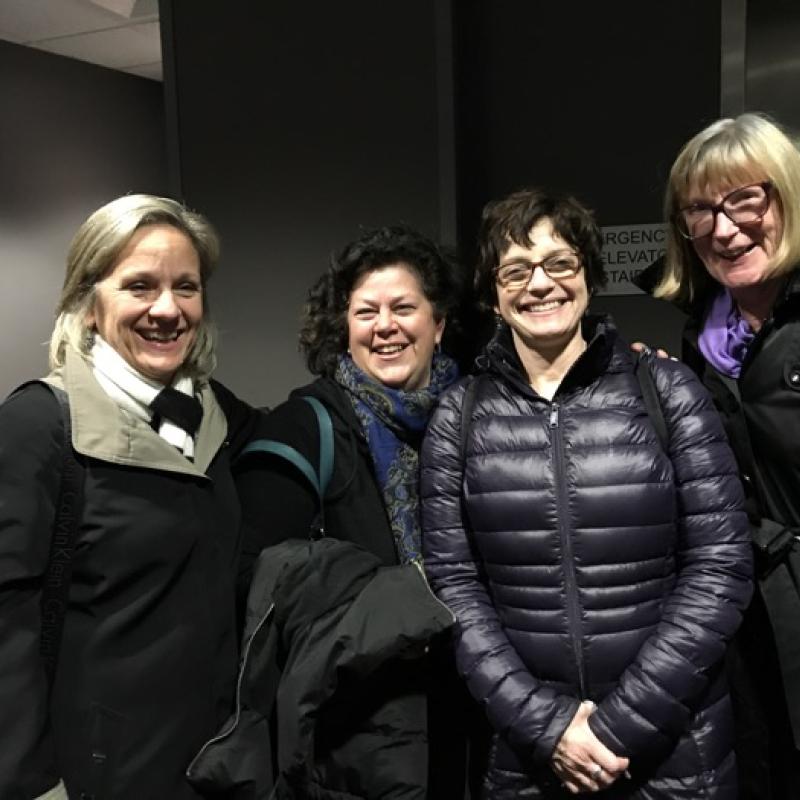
(554, 415)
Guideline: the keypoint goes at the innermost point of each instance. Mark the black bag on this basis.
(69, 505)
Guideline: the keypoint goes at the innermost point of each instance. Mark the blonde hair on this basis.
(94, 252)
(729, 153)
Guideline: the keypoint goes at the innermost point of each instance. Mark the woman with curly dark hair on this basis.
(372, 331)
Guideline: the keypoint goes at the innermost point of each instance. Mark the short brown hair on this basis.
(510, 221)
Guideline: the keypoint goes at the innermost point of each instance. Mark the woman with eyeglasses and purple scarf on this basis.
(733, 250)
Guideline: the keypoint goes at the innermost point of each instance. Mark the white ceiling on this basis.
(119, 34)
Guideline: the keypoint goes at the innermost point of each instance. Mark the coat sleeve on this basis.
(278, 503)
(242, 418)
(528, 715)
(652, 704)
(31, 440)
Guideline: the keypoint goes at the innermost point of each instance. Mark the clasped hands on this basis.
(581, 761)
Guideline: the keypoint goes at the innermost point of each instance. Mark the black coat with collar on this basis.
(760, 411)
(763, 406)
(148, 657)
(584, 562)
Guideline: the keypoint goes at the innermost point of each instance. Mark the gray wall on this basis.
(590, 98)
(772, 61)
(294, 127)
(73, 137)
(297, 126)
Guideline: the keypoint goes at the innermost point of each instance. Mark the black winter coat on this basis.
(149, 653)
(327, 626)
(583, 562)
(279, 504)
(761, 414)
(762, 409)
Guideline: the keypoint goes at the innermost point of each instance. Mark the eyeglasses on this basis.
(557, 267)
(742, 206)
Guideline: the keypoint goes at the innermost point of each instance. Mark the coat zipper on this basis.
(242, 669)
(417, 562)
(562, 503)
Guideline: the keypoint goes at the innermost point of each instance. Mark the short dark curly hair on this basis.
(511, 219)
(323, 331)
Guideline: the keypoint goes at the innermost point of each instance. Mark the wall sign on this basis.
(627, 250)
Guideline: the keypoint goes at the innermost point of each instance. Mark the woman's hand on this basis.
(581, 761)
(637, 347)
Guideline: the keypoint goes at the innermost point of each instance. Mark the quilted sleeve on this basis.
(528, 715)
(654, 699)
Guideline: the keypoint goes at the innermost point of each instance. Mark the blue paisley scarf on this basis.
(394, 422)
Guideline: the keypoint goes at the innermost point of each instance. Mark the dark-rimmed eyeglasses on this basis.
(519, 273)
(743, 206)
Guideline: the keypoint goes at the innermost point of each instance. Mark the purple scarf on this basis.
(725, 336)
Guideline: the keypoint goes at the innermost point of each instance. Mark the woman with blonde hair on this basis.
(120, 521)
(733, 213)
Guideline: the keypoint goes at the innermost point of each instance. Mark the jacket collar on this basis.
(103, 430)
(598, 330)
(790, 296)
(336, 400)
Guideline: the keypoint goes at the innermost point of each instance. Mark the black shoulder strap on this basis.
(468, 403)
(644, 373)
(759, 503)
(55, 588)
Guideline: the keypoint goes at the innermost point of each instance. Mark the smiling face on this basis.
(392, 328)
(737, 256)
(149, 306)
(545, 315)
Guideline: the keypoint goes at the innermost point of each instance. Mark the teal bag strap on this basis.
(325, 444)
(319, 481)
(288, 453)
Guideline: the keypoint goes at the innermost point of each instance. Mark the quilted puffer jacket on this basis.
(584, 562)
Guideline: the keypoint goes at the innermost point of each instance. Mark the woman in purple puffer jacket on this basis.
(596, 574)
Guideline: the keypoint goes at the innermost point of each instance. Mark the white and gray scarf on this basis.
(133, 392)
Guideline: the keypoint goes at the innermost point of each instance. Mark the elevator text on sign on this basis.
(627, 250)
